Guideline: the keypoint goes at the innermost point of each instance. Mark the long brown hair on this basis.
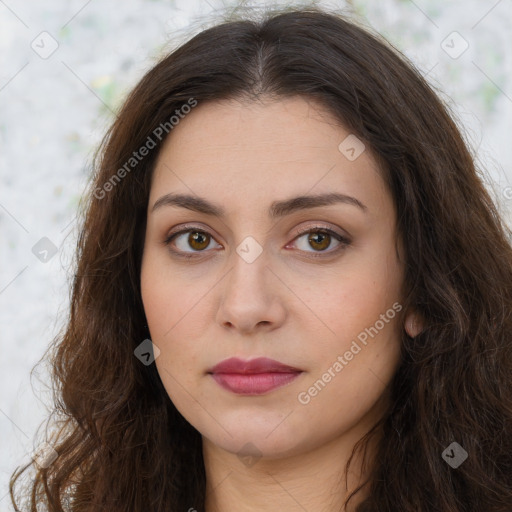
(121, 443)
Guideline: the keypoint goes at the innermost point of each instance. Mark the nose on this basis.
(251, 296)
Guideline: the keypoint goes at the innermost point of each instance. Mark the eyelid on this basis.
(319, 226)
(184, 229)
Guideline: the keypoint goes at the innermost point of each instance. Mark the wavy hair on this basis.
(123, 446)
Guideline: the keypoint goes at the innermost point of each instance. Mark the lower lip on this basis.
(253, 383)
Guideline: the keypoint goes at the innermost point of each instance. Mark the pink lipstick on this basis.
(253, 377)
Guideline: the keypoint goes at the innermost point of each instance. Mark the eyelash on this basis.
(344, 242)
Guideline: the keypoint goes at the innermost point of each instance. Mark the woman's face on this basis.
(263, 281)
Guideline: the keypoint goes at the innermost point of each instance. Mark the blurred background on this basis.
(65, 67)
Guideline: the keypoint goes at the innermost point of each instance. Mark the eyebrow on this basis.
(277, 208)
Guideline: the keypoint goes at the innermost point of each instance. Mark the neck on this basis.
(314, 480)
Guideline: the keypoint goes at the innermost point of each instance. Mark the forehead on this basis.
(267, 129)
(264, 151)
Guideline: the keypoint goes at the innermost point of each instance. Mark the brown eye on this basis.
(319, 240)
(198, 240)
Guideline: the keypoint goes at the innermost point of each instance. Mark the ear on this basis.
(413, 323)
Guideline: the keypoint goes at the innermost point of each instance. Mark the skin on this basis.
(286, 304)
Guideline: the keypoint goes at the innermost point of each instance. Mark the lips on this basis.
(253, 377)
(258, 365)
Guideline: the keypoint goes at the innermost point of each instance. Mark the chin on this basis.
(271, 439)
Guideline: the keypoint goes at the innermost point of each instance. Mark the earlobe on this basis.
(413, 324)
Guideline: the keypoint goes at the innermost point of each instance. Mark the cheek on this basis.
(170, 323)
(168, 313)
(361, 322)
(349, 378)
(164, 297)
(366, 291)
(170, 306)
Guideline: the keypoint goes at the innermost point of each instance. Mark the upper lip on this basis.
(257, 365)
